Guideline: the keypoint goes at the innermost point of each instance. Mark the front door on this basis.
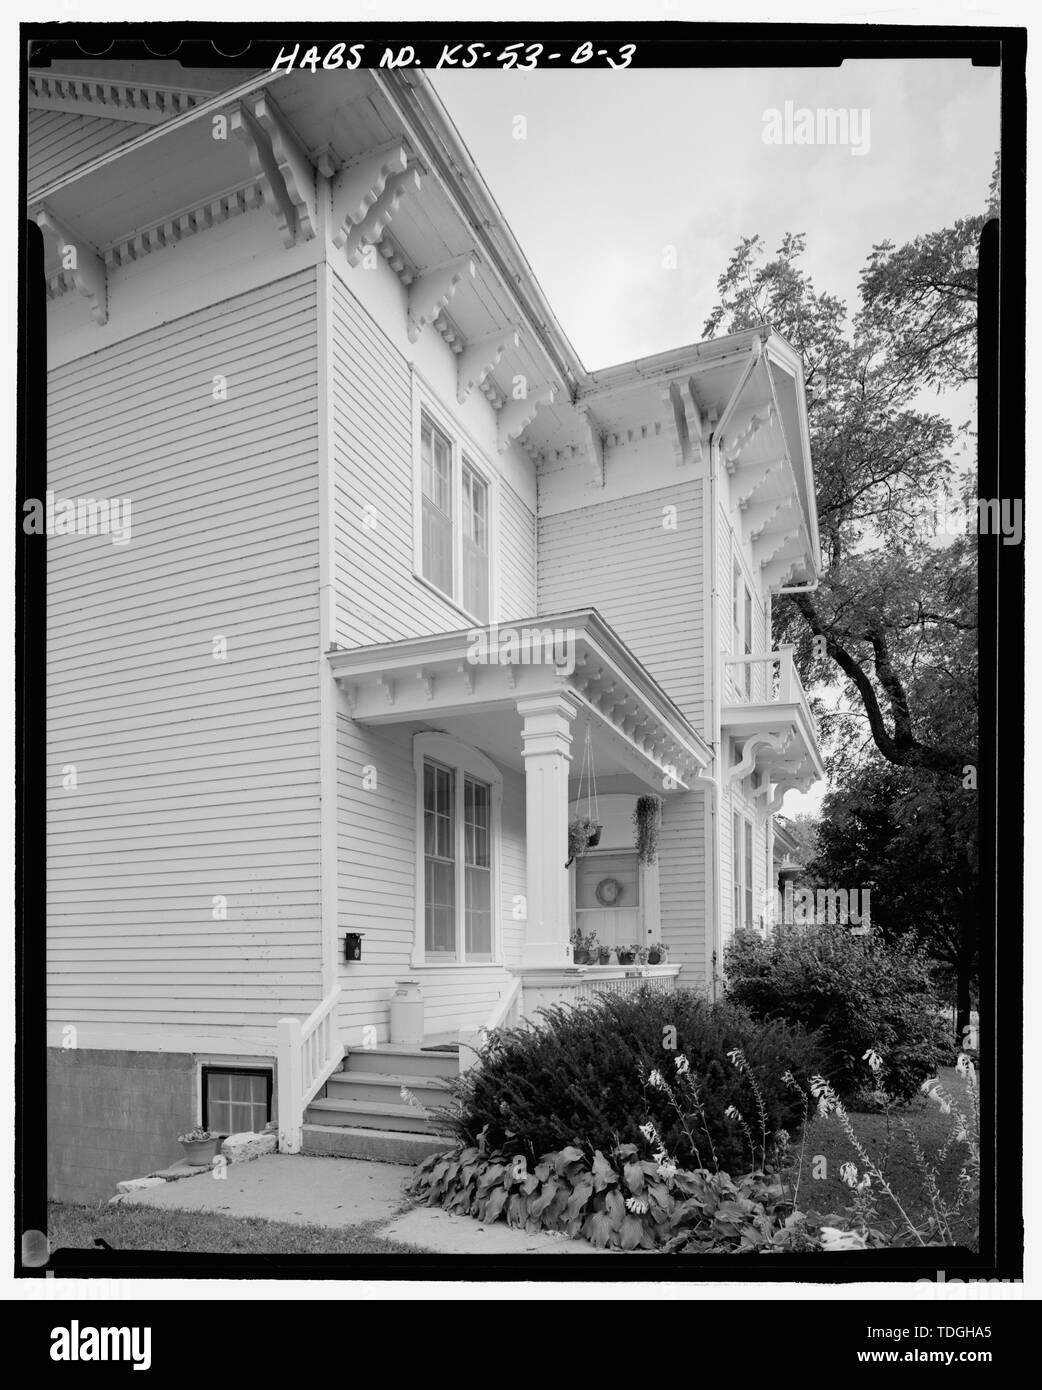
(607, 897)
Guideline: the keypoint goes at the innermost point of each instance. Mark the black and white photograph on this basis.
(520, 536)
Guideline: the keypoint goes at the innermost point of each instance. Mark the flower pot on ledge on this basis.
(627, 957)
(200, 1153)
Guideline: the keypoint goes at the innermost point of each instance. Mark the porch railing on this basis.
(775, 679)
(571, 986)
(629, 980)
(308, 1054)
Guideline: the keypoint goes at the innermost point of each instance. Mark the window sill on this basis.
(440, 593)
(457, 965)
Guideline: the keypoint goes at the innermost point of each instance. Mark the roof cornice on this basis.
(430, 127)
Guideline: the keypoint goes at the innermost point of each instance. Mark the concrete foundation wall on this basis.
(113, 1115)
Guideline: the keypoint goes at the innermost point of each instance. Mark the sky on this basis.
(617, 167)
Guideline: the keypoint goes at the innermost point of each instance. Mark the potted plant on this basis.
(627, 955)
(604, 955)
(583, 947)
(583, 834)
(641, 953)
(656, 953)
(647, 817)
(200, 1147)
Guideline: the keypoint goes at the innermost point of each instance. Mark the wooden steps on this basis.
(362, 1113)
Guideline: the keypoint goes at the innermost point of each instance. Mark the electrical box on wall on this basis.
(353, 945)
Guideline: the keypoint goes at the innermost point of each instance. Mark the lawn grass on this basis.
(829, 1194)
(125, 1226)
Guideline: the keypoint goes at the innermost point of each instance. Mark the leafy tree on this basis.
(890, 634)
(897, 617)
(902, 834)
(804, 831)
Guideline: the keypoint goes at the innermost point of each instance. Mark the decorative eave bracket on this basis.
(685, 418)
(431, 292)
(81, 260)
(748, 478)
(357, 189)
(753, 744)
(762, 518)
(366, 196)
(739, 441)
(779, 545)
(517, 415)
(782, 571)
(280, 162)
(593, 440)
(480, 358)
(783, 785)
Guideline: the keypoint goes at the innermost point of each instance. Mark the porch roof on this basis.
(481, 669)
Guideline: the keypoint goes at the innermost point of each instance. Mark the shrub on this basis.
(857, 992)
(578, 1078)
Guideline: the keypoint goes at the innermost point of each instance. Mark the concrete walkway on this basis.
(339, 1192)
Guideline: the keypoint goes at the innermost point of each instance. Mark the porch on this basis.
(488, 729)
(542, 698)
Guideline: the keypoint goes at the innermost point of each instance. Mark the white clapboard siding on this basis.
(682, 887)
(377, 876)
(644, 579)
(196, 777)
(517, 559)
(378, 598)
(61, 141)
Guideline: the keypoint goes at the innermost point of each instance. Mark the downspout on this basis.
(711, 780)
(714, 732)
(327, 695)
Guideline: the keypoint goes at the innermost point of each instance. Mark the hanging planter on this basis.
(584, 832)
(647, 818)
(580, 837)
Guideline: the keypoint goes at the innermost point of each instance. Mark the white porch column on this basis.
(546, 739)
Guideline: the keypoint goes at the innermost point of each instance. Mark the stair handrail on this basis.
(308, 1053)
(505, 1012)
(506, 1006)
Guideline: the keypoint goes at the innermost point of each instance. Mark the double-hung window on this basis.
(748, 883)
(459, 800)
(742, 870)
(455, 521)
(742, 616)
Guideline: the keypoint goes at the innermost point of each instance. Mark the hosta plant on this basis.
(620, 1201)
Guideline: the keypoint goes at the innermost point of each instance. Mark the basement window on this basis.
(236, 1100)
